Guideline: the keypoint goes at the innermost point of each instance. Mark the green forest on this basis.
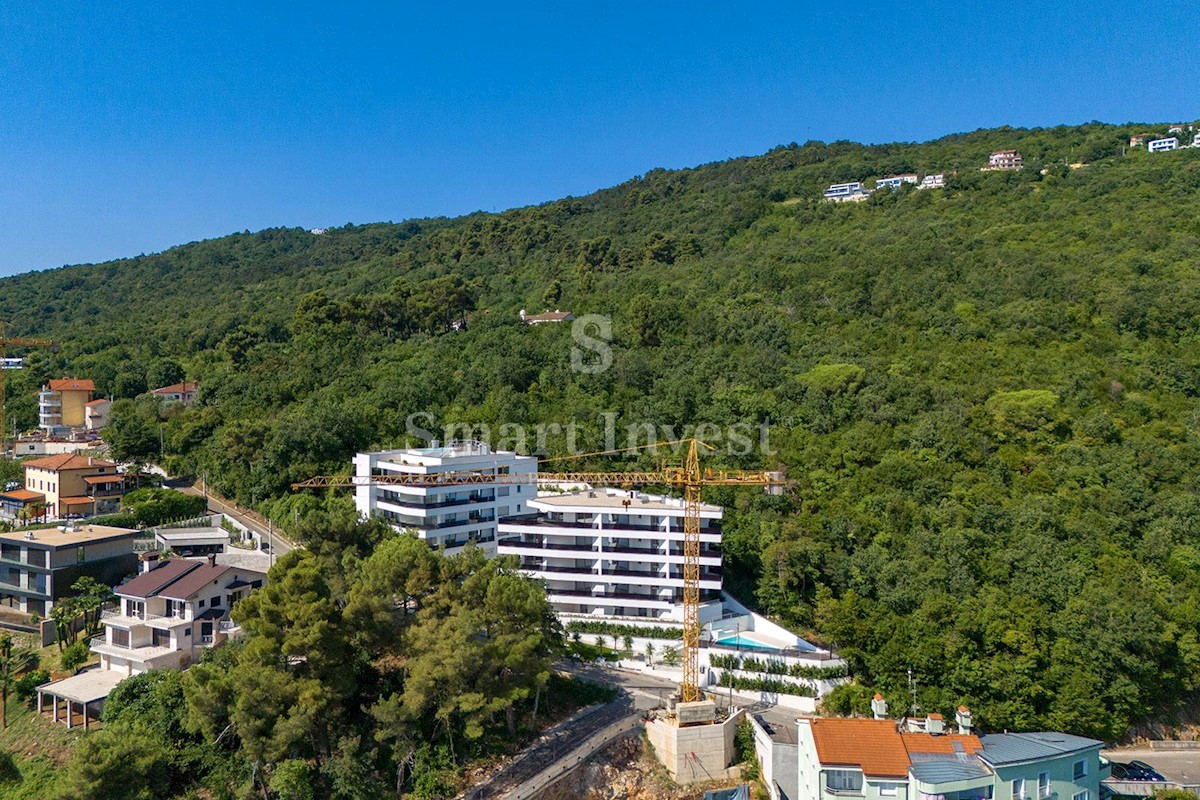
(984, 396)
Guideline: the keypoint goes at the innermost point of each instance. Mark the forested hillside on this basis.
(986, 395)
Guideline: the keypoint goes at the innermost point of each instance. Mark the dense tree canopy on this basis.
(986, 395)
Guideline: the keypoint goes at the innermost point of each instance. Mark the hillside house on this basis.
(547, 316)
(846, 192)
(96, 414)
(183, 393)
(1163, 145)
(895, 181)
(75, 485)
(1003, 160)
(937, 181)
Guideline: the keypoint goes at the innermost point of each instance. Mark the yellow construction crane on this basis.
(6, 342)
(688, 478)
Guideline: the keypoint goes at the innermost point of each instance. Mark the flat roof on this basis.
(86, 687)
(57, 537)
(1015, 748)
(194, 535)
(609, 497)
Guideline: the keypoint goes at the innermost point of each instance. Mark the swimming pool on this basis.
(743, 642)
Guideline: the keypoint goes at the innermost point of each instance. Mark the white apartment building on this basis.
(1163, 145)
(614, 553)
(444, 515)
(937, 181)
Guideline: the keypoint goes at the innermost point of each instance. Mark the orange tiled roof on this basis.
(72, 385)
(75, 501)
(99, 402)
(23, 494)
(873, 745)
(67, 461)
(177, 388)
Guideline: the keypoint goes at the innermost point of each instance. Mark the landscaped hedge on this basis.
(776, 685)
(621, 631)
(775, 666)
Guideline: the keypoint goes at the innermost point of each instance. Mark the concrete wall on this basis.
(696, 753)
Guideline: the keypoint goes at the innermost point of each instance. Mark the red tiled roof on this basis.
(99, 402)
(76, 501)
(72, 385)
(177, 388)
(193, 581)
(23, 495)
(940, 745)
(873, 745)
(64, 461)
(150, 583)
(549, 316)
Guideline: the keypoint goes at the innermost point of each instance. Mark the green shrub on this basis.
(26, 686)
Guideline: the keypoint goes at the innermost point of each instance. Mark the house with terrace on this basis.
(171, 612)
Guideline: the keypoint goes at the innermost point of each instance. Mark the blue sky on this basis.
(130, 127)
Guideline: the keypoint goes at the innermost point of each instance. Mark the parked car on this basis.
(1146, 772)
(1120, 771)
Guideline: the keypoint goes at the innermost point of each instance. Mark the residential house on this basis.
(167, 617)
(1004, 159)
(171, 613)
(895, 181)
(62, 404)
(937, 181)
(845, 192)
(547, 316)
(1163, 145)
(22, 505)
(1196, 140)
(1175, 129)
(1138, 140)
(75, 485)
(183, 393)
(914, 759)
(610, 552)
(96, 413)
(445, 515)
(38, 567)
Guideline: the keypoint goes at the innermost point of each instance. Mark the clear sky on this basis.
(130, 127)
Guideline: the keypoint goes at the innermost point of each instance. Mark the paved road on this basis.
(254, 521)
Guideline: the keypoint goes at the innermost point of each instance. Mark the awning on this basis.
(75, 501)
(86, 687)
(23, 496)
(95, 479)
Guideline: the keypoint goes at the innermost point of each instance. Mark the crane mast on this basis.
(689, 479)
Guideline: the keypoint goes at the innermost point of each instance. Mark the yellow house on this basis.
(75, 484)
(63, 403)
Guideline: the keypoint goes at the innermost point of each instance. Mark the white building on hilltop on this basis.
(446, 515)
(614, 553)
(937, 181)
(1163, 145)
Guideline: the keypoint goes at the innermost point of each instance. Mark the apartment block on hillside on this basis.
(895, 181)
(445, 515)
(610, 552)
(62, 404)
(38, 567)
(846, 192)
(1163, 145)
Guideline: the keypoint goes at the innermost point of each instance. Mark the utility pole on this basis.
(912, 689)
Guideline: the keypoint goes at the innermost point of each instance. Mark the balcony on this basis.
(416, 501)
(609, 528)
(145, 654)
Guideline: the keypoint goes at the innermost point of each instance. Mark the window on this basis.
(1043, 785)
(888, 789)
(1079, 770)
(844, 780)
(1018, 788)
(202, 602)
(1080, 795)
(120, 637)
(79, 555)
